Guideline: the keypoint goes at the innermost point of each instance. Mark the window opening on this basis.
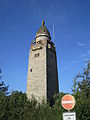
(30, 70)
(37, 55)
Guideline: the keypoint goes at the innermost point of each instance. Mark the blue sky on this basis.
(19, 22)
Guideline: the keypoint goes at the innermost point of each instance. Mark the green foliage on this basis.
(16, 106)
(82, 95)
(3, 87)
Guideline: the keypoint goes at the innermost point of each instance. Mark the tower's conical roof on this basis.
(43, 31)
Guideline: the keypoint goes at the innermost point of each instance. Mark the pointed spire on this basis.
(43, 23)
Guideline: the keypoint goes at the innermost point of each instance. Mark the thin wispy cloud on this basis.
(88, 52)
(70, 64)
(80, 44)
(86, 56)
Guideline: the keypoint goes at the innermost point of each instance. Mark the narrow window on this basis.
(30, 70)
(37, 55)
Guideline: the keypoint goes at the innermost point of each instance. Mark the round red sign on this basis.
(68, 102)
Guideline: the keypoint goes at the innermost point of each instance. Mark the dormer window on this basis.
(39, 42)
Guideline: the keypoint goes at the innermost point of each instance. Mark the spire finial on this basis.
(43, 23)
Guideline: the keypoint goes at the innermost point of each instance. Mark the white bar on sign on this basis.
(66, 102)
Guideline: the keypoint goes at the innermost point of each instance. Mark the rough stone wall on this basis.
(36, 81)
(52, 73)
(42, 81)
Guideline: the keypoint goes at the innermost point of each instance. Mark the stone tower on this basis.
(42, 80)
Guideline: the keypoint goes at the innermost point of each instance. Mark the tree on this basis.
(3, 87)
(3, 98)
(85, 84)
(81, 92)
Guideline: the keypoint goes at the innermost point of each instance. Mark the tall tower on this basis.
(42, 80)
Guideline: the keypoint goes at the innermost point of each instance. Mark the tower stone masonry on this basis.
(42, 79)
